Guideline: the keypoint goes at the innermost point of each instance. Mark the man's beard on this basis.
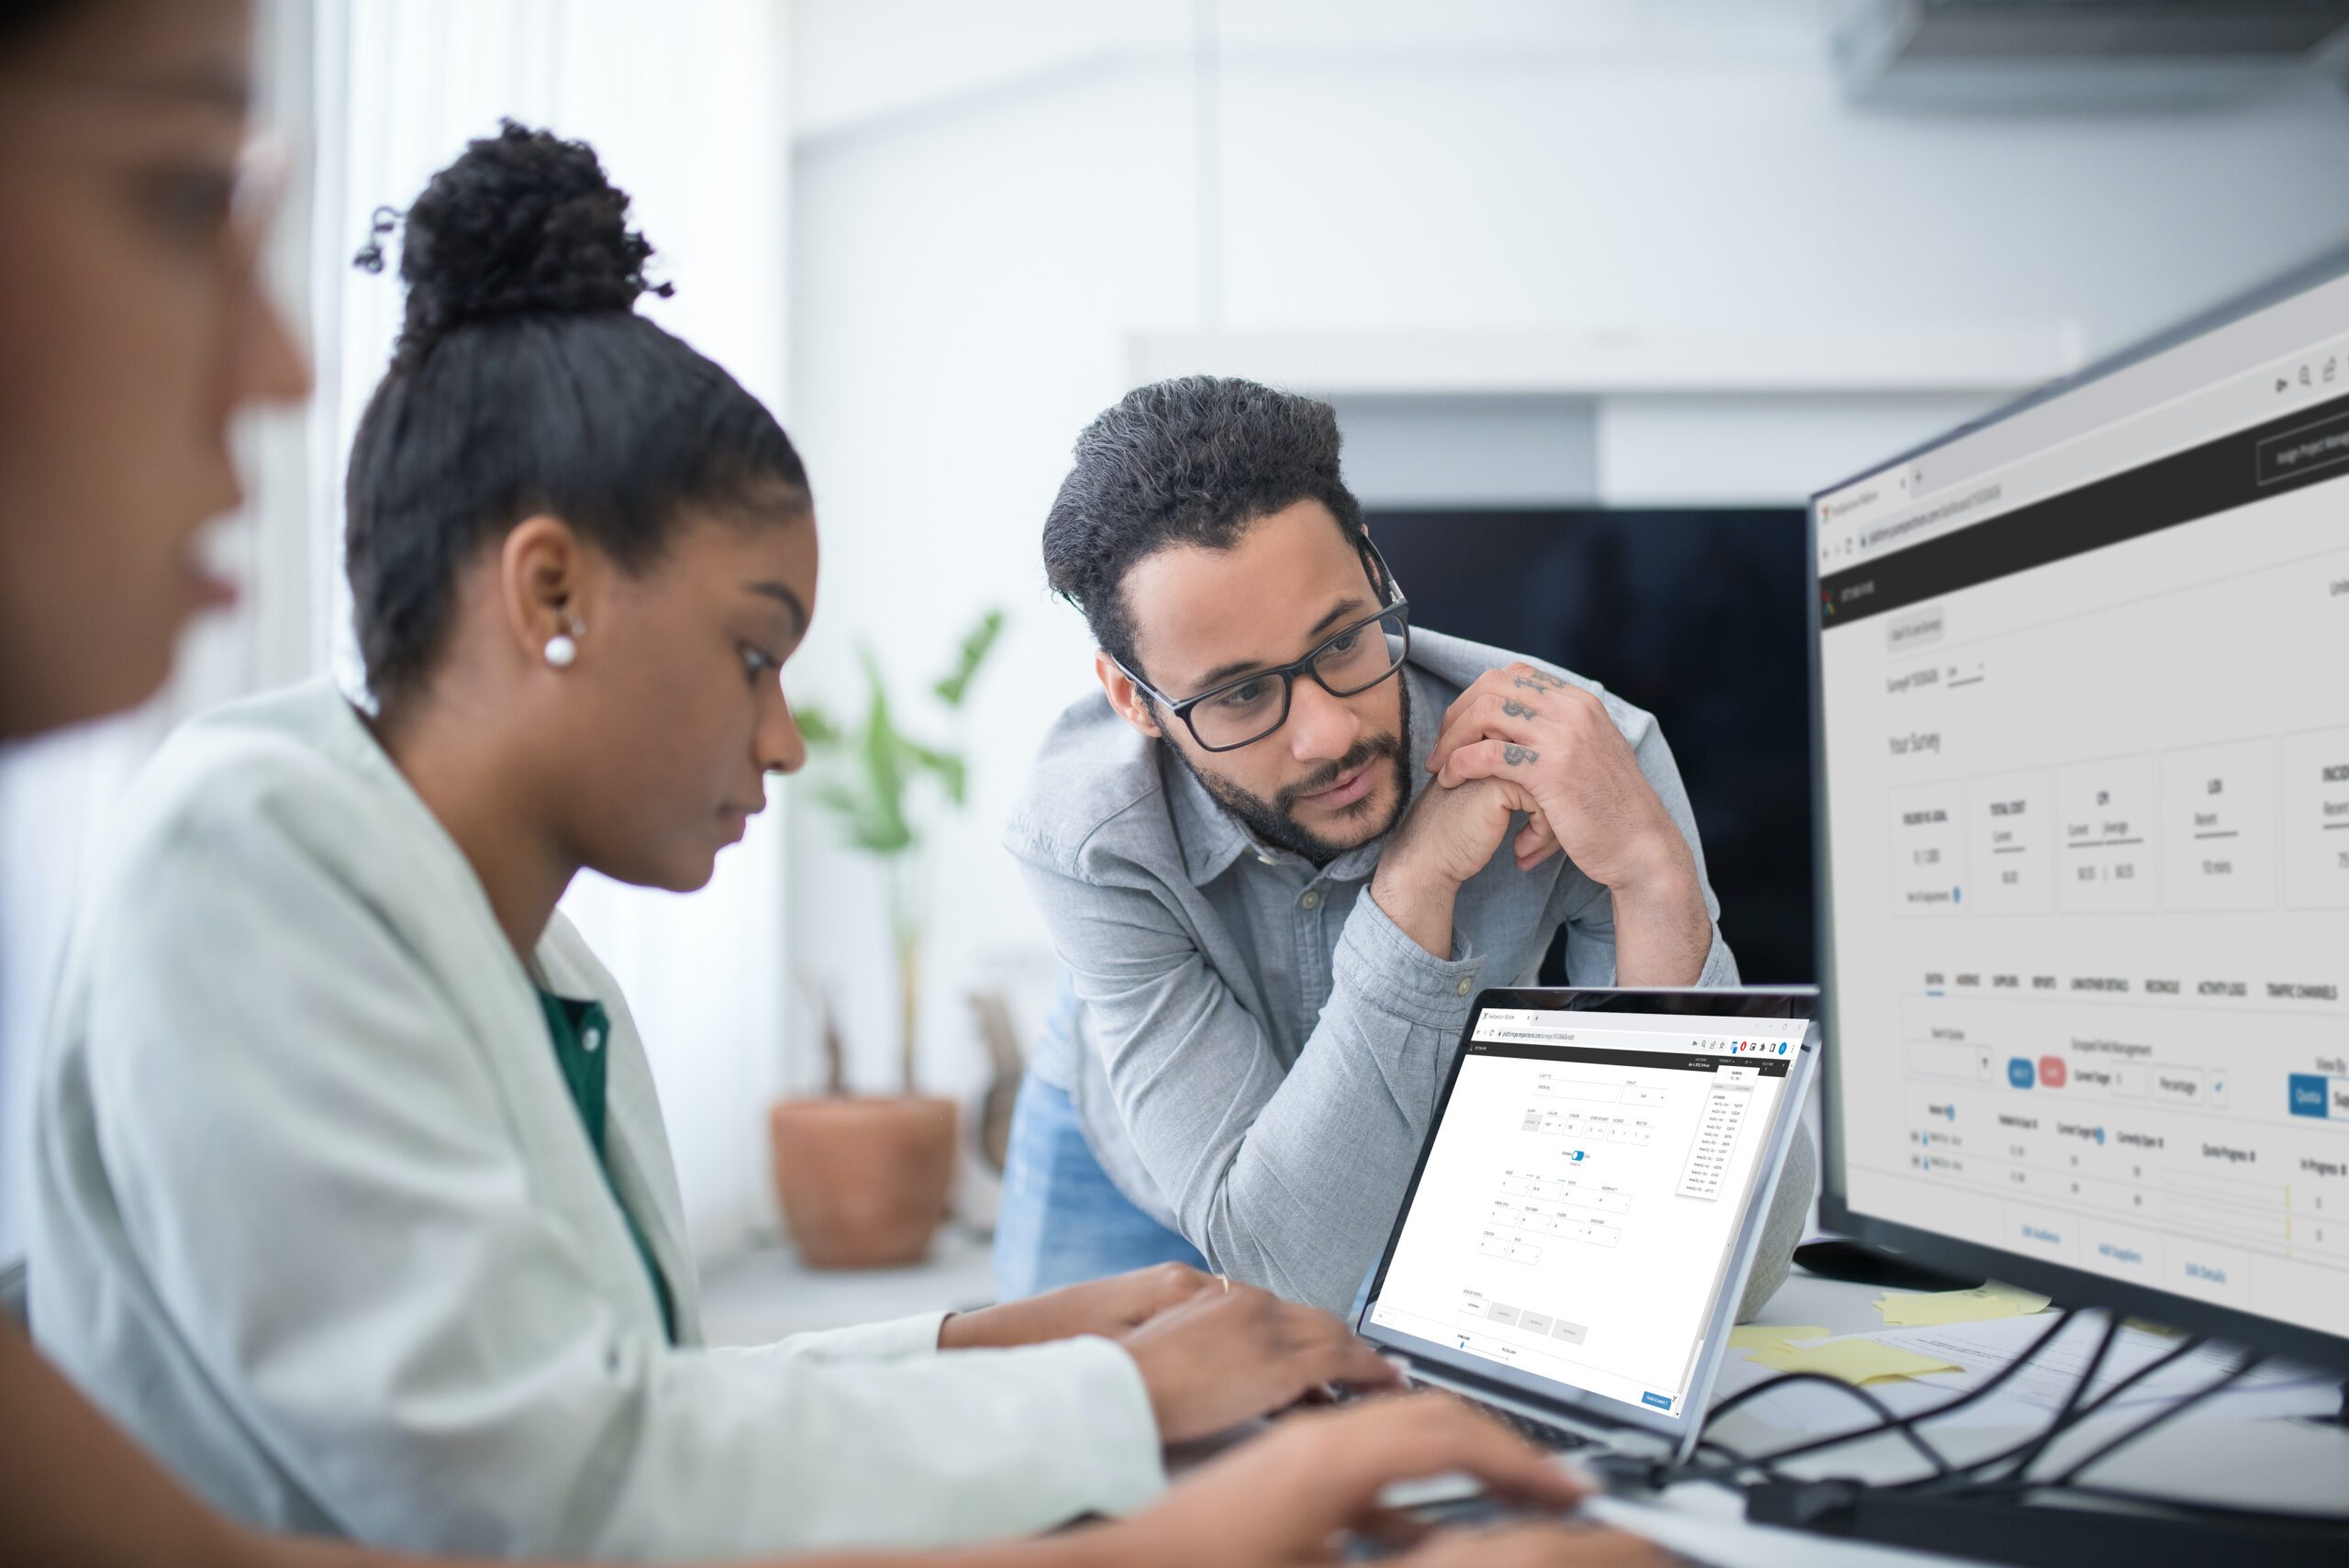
(1269, 820)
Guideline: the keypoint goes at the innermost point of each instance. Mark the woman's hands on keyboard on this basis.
(1286, 1498)
(1232, 1352)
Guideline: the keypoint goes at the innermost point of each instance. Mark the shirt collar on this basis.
(1212, 838)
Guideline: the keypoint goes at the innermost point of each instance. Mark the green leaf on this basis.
(882, 838)
(816, 726)
(976, 648)
(879, 764)
(859, 825)
(948, 767)
(884, 817)
(839, 797)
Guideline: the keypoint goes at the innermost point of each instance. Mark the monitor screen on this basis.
(2083, 730)
(1576, 1215)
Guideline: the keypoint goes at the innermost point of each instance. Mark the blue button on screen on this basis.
(2020, 1074)
(2311, 1094)
(1660, 1401)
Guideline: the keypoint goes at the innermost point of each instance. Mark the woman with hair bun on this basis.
(353, 1197)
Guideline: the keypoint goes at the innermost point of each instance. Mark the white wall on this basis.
(992, 203)
(376, 95)
(962, 282)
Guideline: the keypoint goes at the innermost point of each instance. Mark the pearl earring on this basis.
(563, 647)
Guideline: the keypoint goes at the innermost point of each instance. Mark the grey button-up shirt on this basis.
(1260, 1047)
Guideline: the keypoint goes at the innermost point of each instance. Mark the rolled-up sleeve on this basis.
(1283, 1176)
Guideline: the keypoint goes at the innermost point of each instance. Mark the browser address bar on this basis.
(2186, 420)
(1902, 529)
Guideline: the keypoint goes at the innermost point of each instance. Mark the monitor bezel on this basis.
(1949, 1255)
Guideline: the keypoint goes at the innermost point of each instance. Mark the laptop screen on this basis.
(1578, 1206)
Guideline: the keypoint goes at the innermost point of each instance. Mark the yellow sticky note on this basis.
(1854, 1359)
(1762, 1336)
(2150, 1326)
(1904, 1309)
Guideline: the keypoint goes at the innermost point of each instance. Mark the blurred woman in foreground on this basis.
(131, 332)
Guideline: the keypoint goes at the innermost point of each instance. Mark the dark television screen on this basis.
(1700, 616)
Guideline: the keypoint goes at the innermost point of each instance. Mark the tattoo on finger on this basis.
(1516, 709)
(1536, 681)
(1513, 755)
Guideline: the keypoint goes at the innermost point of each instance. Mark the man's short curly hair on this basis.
(1196, 460)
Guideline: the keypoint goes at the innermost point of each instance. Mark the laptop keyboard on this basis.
(1542, 1434)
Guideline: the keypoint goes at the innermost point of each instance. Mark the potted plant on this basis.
(863, 1180)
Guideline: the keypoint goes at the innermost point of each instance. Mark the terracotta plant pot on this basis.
(862, 1182)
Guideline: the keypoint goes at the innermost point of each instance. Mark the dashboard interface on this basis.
(2085, 717)
(1575, 1217)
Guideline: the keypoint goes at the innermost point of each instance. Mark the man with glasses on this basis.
(1284, 855)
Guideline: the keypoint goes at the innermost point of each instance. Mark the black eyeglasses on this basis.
(1358, 657)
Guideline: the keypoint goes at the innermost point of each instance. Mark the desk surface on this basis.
(2255, 1462)
(768, 1296)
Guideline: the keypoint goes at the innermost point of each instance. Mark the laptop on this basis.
(1587, 1203)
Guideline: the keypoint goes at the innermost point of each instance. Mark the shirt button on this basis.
(1312, 899)
(595, 1037)
(1264, 859)
(1467, 984)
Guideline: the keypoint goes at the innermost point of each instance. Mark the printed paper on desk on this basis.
(1906, 1309)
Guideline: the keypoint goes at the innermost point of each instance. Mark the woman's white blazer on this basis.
(317, 1220)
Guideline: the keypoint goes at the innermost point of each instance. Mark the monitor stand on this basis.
(1839, 1259)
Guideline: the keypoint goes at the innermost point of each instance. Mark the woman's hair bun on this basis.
(523, 223)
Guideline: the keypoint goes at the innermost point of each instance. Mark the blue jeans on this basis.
(1062, 1220)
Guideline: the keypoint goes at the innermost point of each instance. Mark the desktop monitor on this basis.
(2081, 673)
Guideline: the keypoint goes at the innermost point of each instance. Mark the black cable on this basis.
(1886, 1419)
(1994, 1381)
(2185, 1348)
(1890, 1423)
(2071, 1410)
(2243, 1367)
(2016, 1486)
(2078, 1407)
(2016, 1489)
(2084, 1413)
(1745, 1395)
(2064, 1414)
(1663, 1474)
(1741, 1458)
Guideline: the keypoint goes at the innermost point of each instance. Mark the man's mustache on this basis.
(1369, 750)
